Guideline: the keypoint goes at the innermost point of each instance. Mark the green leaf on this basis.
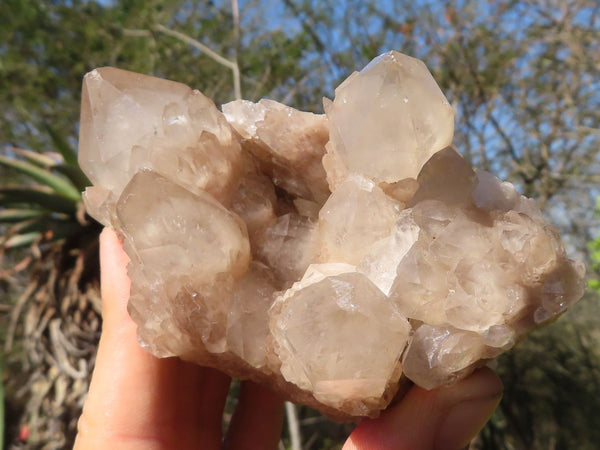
(24, 198)
(56, 183)
(39, 159)
(21, 240)
(18, 214)
(61, 144)
(49, 229)
(75, 175)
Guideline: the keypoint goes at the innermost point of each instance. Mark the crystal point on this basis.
(335, 360)
(395, 102)
(325, 256)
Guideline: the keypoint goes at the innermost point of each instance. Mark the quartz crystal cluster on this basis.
(329, 256)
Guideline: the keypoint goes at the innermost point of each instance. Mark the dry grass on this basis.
(52, 331)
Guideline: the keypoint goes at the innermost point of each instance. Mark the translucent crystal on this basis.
(387, 120)
(438, 356)
(335, 360)
(131, 122)
(120, 110)
(175, 231)
(185, 247)
(381, 262)
(356, 215)
(248, 321)
(289, 144)
(414, 265)
(288, 246)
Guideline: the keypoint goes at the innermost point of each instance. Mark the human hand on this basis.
(137, 401)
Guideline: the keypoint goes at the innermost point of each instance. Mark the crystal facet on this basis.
(337, 304)
(327, 256)
(395, 102)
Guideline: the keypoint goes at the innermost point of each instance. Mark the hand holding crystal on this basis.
(327, 257)
(139, 401)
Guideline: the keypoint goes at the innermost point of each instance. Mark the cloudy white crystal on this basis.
(136, 122)
(414, 264)
(288, 144)
(356, 215)
(395, 102)
(337, 361)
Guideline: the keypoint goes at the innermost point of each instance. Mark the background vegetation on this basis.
(524, 77)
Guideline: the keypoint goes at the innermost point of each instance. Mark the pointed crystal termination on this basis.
(335, 360)
(356, 215)
(476, 275)
(386, 121)
(415, 265)
(118, 111)
(131, 122)
(184, 247)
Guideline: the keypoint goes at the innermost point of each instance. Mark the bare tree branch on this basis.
(236, 44)
(196, 44)
(232, 65)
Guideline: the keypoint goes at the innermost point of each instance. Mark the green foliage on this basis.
(47, 236)
(594, 250)
(594, 283)
(55, 183)
(551, 382)
(43, 212)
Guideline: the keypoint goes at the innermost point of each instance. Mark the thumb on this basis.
(442, 419)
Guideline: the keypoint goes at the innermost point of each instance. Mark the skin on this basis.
(137, 401)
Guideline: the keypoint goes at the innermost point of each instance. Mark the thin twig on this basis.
(236, 44)
(209, 52)
(14, 319)
(137, 33)
(290, 95)
(293, 426)
(196, 44)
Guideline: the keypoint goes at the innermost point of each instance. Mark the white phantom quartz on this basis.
(395, 102)
(330, 256)
(337, 304)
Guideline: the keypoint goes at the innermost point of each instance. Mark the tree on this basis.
(594, 249)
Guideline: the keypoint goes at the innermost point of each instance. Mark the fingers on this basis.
(136, 400)
(114, 281)
(442, 419)
(201, 396)
(257, 420)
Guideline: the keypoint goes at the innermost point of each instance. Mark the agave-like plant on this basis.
(49, 255)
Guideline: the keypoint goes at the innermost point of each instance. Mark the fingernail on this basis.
(464, 421)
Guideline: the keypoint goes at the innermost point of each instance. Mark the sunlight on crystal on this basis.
(327, 256)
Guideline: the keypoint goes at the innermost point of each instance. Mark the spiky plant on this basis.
(48, 250)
